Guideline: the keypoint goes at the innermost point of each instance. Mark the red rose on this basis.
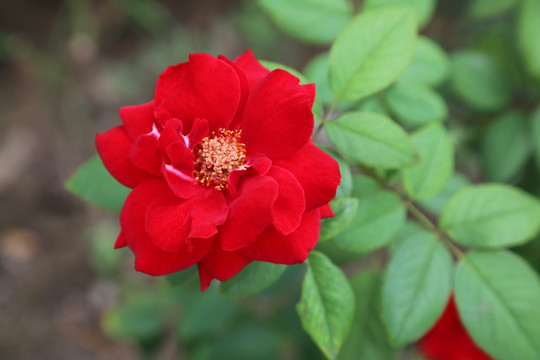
(449, 340)
(222, 168)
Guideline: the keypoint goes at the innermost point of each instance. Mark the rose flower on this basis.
(223, 169)
(448, 339)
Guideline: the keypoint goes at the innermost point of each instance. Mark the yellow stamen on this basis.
(216, 156)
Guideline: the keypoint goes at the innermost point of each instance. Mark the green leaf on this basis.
(270, 65)
(500, 45)
(491, 215)
(345, 210)
(482, 9)
(373, 139)
(437, 203)
(372, 104)
(317, 71)
(527, 26)
(326, 308)
(312, 21)
(428, 177)
(378, 219)
(371, 52)
(317, 104)
(415, 104)
(408, 230)
(345, 187)
(184, 278)
(93, 183)
(251, 279)
(207, 314)
(367, 338)
(429, 66)
(138, 320)
(505, 147)
(423, 8)
(536, 135)
(497, 295)
(416, 287)
(248, 342)
(478, 81)
(337, 255)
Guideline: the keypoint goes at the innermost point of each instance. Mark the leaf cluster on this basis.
(438, 142)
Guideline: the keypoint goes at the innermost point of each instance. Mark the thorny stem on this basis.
(416, 212)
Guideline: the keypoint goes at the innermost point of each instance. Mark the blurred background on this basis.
(66, 67)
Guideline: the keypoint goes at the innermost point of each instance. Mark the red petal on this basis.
(172, 132)
(169, 81)
(183, 185)
(178, 166)
(204, 276)
(234, 179)
(143, 154)
(244, 91)
(113, 147)
(250, 213)
(256, 164)
(179, 149)
(149, 258)
(167, 222)
(290, 203)
(197, 133)
(179, 174)
(181, 157)
(208, 209)
(272, 246)
(223, 265)
(172, 222)
(310, 89)
(138, 119)
(317, 172)
(260, 162)
(120, 241)
(205, 88)
(251, 67)
(448, 339)
(326, 211)
(277, 119)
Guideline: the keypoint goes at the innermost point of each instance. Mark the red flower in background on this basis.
(222, 168)
(449, 340)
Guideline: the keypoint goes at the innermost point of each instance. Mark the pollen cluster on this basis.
(216, 156)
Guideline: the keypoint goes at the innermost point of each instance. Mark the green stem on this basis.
(355, 6)
(428, 224)
(325, 118)
(416, 212)
(318, 130)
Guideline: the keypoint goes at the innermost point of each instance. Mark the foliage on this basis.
(416, 119)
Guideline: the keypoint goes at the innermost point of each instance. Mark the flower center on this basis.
(216, 156)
